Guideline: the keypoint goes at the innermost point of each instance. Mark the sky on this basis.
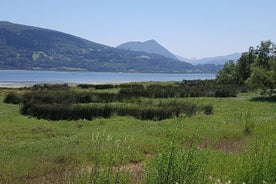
(189, 28)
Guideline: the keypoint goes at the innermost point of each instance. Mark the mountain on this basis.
(218, 60)
(32, 48)
(150, 46)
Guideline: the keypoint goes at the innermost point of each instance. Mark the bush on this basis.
(196, 88)
(208, 109)
(90, 111)
(67, 104)
(97, 86)
(13, 98)
(175, 165)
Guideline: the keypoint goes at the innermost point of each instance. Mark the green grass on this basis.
(38, 151)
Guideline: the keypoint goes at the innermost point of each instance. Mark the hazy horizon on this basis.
(191, 29)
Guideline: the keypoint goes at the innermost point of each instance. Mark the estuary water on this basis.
(20, 78)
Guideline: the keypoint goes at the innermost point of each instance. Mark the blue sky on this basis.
(190, 28)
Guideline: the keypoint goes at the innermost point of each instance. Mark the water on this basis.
(12, 78)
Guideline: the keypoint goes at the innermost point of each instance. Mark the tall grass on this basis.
(105, 166)
(177, 165)
(258, 165)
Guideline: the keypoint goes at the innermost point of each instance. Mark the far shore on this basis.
(26, 84)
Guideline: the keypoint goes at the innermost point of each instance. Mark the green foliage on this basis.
(228, 75)
(249, 123)
(196, 88)
(97, 86)
(54, 102)
(13, 98)
(256, 68)
(91, 111)
(258, 165)
(176, 165)
(208, 109)
(243, 65)
(106, 165)
(261, 78)
(42, 151)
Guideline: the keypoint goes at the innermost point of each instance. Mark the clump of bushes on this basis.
(90, 111)
(61, 102)
(13, 98)
(65, 111)
(199, 88)
(50, 87)
(176, 165)
(67, 97)
(97, 86)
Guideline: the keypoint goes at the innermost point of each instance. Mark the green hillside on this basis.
(27, 47)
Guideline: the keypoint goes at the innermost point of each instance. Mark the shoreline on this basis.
(25, 78)
(125, 72)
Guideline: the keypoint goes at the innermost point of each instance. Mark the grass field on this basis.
(237, 143)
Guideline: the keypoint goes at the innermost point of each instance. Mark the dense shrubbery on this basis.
(57, 102)
(195, 88)
(97, 86)
(50, 87)
(13, 98)
(66, 112)
(255, 68)
(207, 88)
(67, 97)
(176, 165)
(90, 111)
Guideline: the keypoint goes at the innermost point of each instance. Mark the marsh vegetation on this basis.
(137, 133)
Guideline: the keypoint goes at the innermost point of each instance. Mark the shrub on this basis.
(73, 112)
(13, 98)
(208, 109)
(196, 88)
(175, 165)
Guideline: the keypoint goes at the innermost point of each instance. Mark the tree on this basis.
(228, 75)
(255, 68)
(243, 65)
(261, 78)
(263, 69)
(264, 54)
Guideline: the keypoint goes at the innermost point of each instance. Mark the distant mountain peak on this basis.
(149, 46)
(152, 41)
(218, 60)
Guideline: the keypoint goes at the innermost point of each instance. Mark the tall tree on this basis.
(228, 75)
(256, 68)
(264, 53)
(244, 63)
(263, 68)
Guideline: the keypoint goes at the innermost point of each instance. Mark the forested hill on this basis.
(150, 46)
(27, 47)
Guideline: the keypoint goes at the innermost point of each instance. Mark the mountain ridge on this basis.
(33, 48)
(218, 60)
(152, 46)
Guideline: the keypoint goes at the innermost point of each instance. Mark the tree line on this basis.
(256, 68)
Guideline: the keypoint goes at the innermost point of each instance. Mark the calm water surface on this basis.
(9, 78)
